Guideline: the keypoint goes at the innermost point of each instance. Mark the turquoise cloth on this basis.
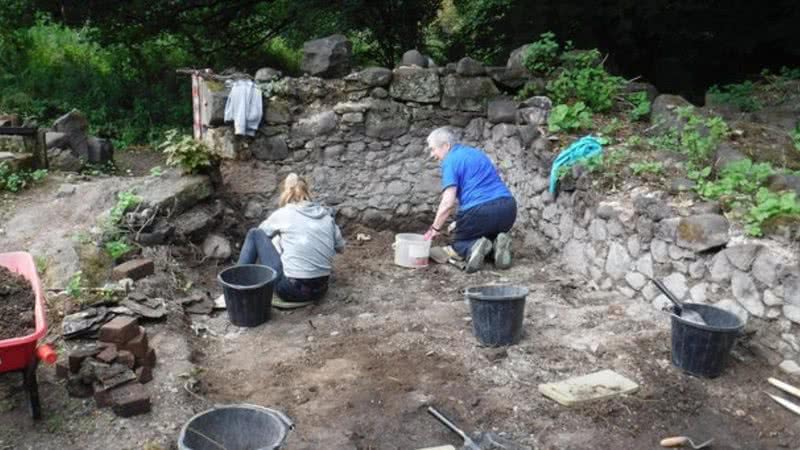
(583, 148)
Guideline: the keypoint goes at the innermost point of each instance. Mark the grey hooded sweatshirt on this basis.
(309, 238)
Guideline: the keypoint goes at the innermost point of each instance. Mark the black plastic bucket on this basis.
(700, 349)
(248, 293)
(497, 313)
(235, 427)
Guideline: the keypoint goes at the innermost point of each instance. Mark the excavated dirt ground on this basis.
(16, 305)
(358, 370)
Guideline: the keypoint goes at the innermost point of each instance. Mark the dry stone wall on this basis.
(360, 140)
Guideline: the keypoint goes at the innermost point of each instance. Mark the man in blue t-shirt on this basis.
(486, 208)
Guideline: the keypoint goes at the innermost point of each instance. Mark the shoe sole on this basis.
(502, 251)
(476, 256)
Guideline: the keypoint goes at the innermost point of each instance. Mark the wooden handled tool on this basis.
(785, 387)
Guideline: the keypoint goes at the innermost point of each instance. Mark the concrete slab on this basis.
(595, 386)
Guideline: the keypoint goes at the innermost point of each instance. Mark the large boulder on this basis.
(515, 59)
(664, 114)
(315, 125)
(469, 67)
(637, 86)
(173, 191)
(328, 57)
(726, 155)
(468, 94)
(784, 182)
(101, 151)
(75, 126)
(414, 58)
(372, 76)
(64, 160)
(415, 85)
(502, 111)
(266, 74)
(702, 232)
(535, 110)
(272, 148)
(508, 78)
(386, 120)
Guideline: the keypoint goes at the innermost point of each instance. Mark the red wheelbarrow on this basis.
(22, 353)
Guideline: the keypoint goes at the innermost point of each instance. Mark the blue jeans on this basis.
(258, 249)
(487, 220)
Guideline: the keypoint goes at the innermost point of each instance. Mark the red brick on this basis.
(127, 358)
(144, 374)
(108, 354)
(134, 269)
(138, 345)
(102, 396)
(77, 356)
(149, 360)
(119, 330)
(130, 400)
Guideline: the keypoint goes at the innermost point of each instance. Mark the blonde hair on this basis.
(294, 190)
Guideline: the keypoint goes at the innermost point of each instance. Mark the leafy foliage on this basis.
(17, 180)
(569, 117)
(184, 151)
(740, 187)
(700, 136)
(740, 179)
(117, 248)
(542, 56)
(740, 95)
(585, 82)
(769, 205)
(641, 105)
(653, 167)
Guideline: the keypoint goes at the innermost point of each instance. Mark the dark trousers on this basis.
(484, 220)
(258, 249)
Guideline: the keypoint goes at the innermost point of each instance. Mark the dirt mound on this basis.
(16, 305)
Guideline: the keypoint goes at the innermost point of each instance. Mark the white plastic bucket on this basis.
(411, 250)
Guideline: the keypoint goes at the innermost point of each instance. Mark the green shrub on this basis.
(738, 180)
(795, 135)
(586, 83)
(641, 105)
(128, 94)
(739, 95)
(17, 180)
(569, 117)
(769, 205)
(640, 168)
(542, 56)
(184, 151)
(117, 248)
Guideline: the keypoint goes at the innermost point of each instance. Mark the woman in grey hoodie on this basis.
(299, 241)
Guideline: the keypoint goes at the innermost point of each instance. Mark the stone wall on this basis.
(361, 142)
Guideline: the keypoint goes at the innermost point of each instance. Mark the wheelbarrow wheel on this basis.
(29, 378)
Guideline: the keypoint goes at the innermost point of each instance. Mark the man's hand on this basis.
(430, 234)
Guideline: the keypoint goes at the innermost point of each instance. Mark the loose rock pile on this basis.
(114, 369)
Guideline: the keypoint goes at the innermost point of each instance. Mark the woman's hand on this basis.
(431, 233)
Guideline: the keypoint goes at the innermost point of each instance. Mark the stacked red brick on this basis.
(114, 369)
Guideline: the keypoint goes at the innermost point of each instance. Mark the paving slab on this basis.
(595, 386)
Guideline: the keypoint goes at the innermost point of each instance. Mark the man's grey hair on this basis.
(442, 135)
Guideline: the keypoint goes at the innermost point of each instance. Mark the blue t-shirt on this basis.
(474, 176)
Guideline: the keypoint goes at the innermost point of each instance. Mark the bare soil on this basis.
(358, 369)
(17, 302)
